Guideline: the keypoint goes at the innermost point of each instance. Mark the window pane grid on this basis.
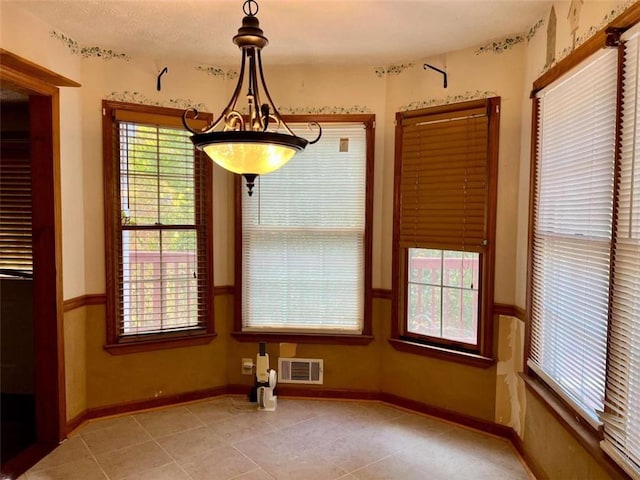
(443, 294)
(157, 181)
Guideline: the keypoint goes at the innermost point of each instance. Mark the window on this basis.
(622, 417)
(305, 239)
(572, 223)
(443, 294)
(584, 287)
(158, 226)
(444, 229)
(16, 258)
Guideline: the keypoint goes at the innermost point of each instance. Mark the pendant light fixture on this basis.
(256, 141)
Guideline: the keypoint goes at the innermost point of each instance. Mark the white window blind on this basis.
(162, 267)
(303, 239)
(572, 228)
(622, 416)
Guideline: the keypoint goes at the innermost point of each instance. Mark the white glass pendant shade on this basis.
(258, 158)
(247, 152)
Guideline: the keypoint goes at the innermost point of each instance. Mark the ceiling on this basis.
(364, 32)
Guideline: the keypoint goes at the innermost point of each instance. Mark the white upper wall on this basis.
(28, 37)
(505, 68)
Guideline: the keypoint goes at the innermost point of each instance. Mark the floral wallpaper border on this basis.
(139, 98)
(88, 52)
(434, 102)
(392, 69)
(326, 110)
(589, 33)
(217, 72)
(500, 46)
(534, 29)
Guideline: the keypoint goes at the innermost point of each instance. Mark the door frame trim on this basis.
(41, 84)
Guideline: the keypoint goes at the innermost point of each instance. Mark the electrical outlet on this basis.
(247, 366)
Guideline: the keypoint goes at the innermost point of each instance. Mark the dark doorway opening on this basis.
(17, 380)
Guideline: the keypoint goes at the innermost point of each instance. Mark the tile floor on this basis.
(226, 438)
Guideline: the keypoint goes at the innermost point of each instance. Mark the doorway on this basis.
(43, 415)
(17, 380)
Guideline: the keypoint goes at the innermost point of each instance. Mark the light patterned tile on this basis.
(216, 410)
(315, 432)
(485, 468)
(166, 472)
(475, 443)
(261, 449)
(288, 414)
(397, 467)
(357, 450)
(133, 460)
(401, 437)
(302, 440)
(118, 433)
(243, 427)
(167, 421)
(85, 469)
(100, 423)
(258, 474)
(220, 464)
(383, 412)
(307, 467)
(70, 450)
(191, 442)
(421, 424)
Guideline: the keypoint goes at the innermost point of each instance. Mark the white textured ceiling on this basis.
(366, 32)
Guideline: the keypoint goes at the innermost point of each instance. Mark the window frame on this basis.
(587, 436)
(480, 355)
(368, 120)
(117, 344)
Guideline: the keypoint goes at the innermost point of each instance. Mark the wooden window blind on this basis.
(572, 232)
(15, 208)
(622, 414)
(443, 182)
(161, 227)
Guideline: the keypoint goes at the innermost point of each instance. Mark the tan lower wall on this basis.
(448, 385)
(346, 367)
(379, 368)
(552, 449)
(120, 379)
(75, 361)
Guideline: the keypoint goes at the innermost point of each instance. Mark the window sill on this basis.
(441, 353)
(159, 344)
(318, 338)
(585, 434)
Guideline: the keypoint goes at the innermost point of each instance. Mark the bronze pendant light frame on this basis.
(233, 127)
